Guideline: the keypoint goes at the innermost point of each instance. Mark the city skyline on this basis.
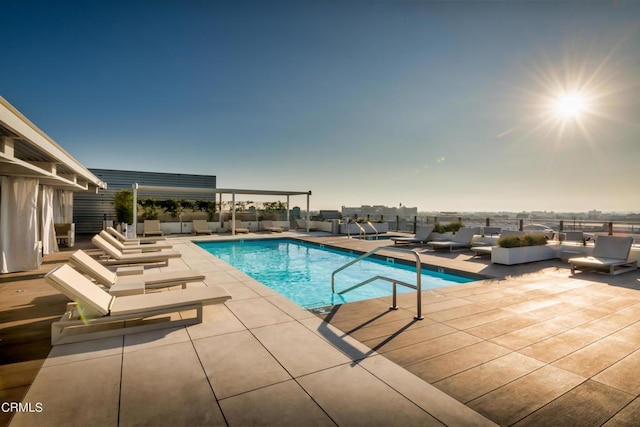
(445, 106)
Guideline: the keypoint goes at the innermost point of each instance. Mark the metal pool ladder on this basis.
(417, 286)
(361, 232)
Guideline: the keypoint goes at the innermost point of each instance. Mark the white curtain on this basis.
(19, 224)
(48, 233)
(63, 206)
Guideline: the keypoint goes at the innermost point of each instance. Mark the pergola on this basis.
(216, 191)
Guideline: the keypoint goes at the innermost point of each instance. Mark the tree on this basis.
(123, 203)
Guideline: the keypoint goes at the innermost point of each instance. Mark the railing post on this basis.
(521, 226)
(415, 224)
(397, 222)
(610, 228)
(488, 222)
(394, 304)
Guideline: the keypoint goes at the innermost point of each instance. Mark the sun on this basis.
(570, 105)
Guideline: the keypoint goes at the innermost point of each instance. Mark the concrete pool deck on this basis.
(533, 346)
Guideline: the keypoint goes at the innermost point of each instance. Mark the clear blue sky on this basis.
(439, 105)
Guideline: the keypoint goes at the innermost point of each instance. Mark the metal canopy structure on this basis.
(220, 192)
(26, 151)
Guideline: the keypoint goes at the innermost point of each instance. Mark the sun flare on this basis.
(570, 105)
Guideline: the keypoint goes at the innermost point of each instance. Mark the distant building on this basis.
(295, 213)
(330, 214)
(379, 211)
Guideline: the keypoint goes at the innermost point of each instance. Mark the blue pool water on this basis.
(302, 271)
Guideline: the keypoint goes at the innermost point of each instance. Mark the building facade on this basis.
(90, 210)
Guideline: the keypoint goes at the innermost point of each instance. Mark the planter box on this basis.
(511, 256)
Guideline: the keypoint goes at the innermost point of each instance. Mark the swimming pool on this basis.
(302, 271)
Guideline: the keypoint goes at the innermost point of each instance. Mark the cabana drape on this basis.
(48, 233)
(18, 224)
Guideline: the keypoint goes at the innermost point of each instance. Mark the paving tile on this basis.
(457, 361)
(532, 305)
(299, 350)
(289, 307)
(408, 337)
(526, 336)
(239, 291)
(519, 398)
(399, 318)
(440, 405)
(374, 330)
(217, 319)
(629, 416)
(157, 338)
(611, 323)
(92, 383)
(630, 334)
(593, 358)
(580, 317)
(254, 313)
(166, 386)
(348, 345)
(589, 404)
(477, 319)
(236, 363)
(334, 390)
(616, 303)
(502, 326)
(559, 346)
(84, 350)
(489, 376)
(436, 306)
(456, 312)
(283, 404)
(423, 350)
(623, 374)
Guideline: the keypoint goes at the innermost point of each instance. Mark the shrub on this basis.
(519, 241)
(454, 226)
(450, 227)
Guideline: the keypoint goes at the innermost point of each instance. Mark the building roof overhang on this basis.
(26, 151)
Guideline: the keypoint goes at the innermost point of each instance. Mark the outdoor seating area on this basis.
(499, 329)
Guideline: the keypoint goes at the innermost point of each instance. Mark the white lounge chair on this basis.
(137, 241)
(102, 275)
(268, 226)
(460, 240)
(152, 228)
(199, 226)
(96, 314)
(116, 257)
(240, 228)
(422, 235)
(131, 247)
(610, 254)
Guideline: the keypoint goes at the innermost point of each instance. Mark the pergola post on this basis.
(135, 211)
(308, 216)
(233, 214)
(221, 219)
(288, 220)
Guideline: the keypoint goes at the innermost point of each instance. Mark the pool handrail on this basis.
(417, 286)
(374, 229)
